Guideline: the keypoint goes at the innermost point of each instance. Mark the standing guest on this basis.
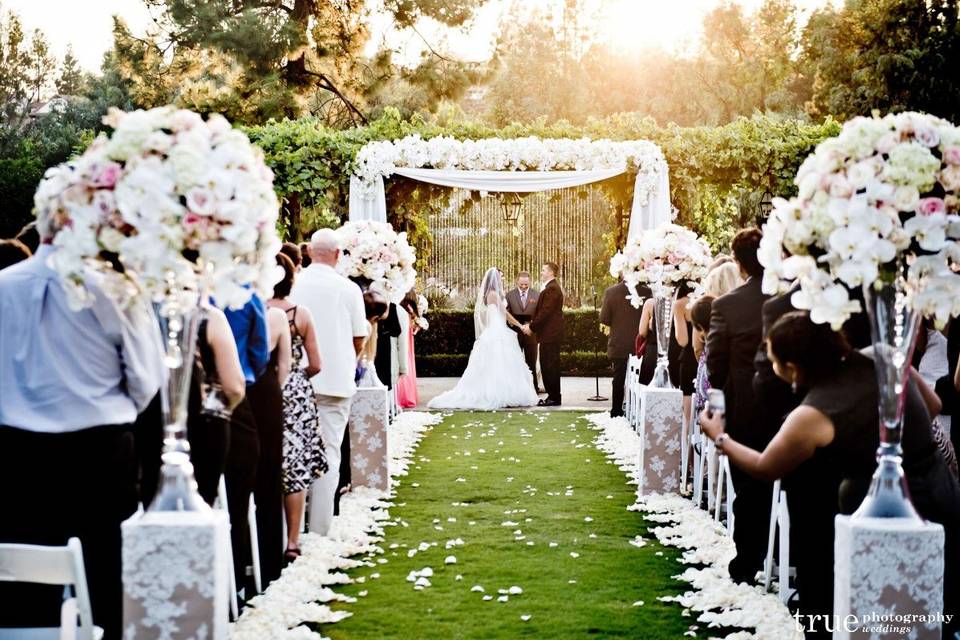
(249, 327)
(736, 329)
(547, 325)
(407, 396)
(686, 362)
(12, 252)
(303, 460)
(73, 383)
(337, 306)
(292, 251)
(648, 332)
(388, 329)
(266, 400)
(618, 313)
(305, 255)
(521, 301)
(827, 447)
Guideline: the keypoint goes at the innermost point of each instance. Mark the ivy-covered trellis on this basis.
(717, 174)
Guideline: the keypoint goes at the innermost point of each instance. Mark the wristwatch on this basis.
(723, 437)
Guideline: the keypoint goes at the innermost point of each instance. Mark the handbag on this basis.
(639, 345)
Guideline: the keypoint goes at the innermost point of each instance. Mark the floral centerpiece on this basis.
(167, 208)
(373, 252)
(662, 258)
(167, 204)
(877, 209)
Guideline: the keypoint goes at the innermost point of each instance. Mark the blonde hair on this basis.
(722, 280)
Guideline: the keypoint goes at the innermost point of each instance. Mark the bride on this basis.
(497, 375)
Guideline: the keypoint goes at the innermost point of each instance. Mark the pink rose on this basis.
(107, 175)
(951, 155)
(191, 220)
(930, 206)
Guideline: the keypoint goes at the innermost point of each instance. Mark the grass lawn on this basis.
(536, 506)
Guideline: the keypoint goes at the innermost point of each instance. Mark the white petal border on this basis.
(719, 601)
(298, 596)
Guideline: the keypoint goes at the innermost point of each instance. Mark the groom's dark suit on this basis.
(523, 313)
(547, 324)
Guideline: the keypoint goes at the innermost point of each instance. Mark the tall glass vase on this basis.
(894, 329)
(664, 298)
(177, 490)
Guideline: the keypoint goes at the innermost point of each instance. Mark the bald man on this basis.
(341, 323)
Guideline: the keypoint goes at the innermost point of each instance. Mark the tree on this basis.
(891, 55)
(70, 80)
(40, 66)
(257, 59)
(14, 80)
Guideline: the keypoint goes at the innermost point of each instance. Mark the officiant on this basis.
(521, 301)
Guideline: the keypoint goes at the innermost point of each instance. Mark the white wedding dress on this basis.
(497, 375)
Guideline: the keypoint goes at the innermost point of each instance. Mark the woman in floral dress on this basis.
(303, 460)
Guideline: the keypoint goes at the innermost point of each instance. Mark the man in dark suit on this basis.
(547, 324)
(624, 321)
(736, 330)
(521, 301)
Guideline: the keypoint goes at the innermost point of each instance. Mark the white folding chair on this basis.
(771, 536)
(779, 522)
(221, 504)
(697, 445)
(254, 544)
(724, 480)
(56, 566)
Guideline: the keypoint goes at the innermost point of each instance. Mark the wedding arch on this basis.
(512, 165)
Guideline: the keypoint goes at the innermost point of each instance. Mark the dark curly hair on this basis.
(815, 349)
(700, 313)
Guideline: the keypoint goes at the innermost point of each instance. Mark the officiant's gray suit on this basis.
(523, 313)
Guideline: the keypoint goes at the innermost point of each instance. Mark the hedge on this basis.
(443, 349)
(451, 332)
(451, 365)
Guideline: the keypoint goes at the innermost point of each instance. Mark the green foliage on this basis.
(716, 173)
(70, 80)
(891, 55)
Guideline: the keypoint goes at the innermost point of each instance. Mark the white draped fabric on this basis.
(649, 209)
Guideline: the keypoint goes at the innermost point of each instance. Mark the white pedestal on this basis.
(175, 580)
(886, 568)
(369, 417)
(661, 419)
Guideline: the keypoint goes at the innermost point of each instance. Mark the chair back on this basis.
(51, 565)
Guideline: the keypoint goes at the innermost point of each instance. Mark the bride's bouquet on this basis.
(167, 205)
(875, 203)
(374, 252)
(664, 256)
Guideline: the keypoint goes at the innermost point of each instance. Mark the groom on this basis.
(547, 324)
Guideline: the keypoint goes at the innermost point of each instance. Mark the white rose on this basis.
(906, 198)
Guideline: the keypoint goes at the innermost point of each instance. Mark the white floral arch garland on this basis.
(512, 165)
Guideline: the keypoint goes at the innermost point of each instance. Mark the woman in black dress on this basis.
(266, 402)
(826, 453)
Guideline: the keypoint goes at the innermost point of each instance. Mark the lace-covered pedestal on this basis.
(175, 580)
(661, 413)
(887, 568)
(368, 438)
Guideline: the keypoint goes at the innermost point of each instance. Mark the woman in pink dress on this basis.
(407, 385)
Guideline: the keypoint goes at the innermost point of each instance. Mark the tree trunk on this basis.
(291, 217)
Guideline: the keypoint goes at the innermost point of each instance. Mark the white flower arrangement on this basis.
(379, 159)
(664, 256)
(375, 252)
(166, 206)
(422, 308)
(880, 197)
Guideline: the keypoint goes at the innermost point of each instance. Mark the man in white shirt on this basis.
(337, 308)
(71, 385)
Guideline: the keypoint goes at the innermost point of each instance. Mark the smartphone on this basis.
(716, 401)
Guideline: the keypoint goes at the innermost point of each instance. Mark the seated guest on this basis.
(12, 252)
(73, 382)
(826, 451)
(303, 460)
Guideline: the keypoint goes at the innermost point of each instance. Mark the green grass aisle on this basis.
(537, 507)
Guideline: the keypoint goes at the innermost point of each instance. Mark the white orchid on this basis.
(882, 193)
